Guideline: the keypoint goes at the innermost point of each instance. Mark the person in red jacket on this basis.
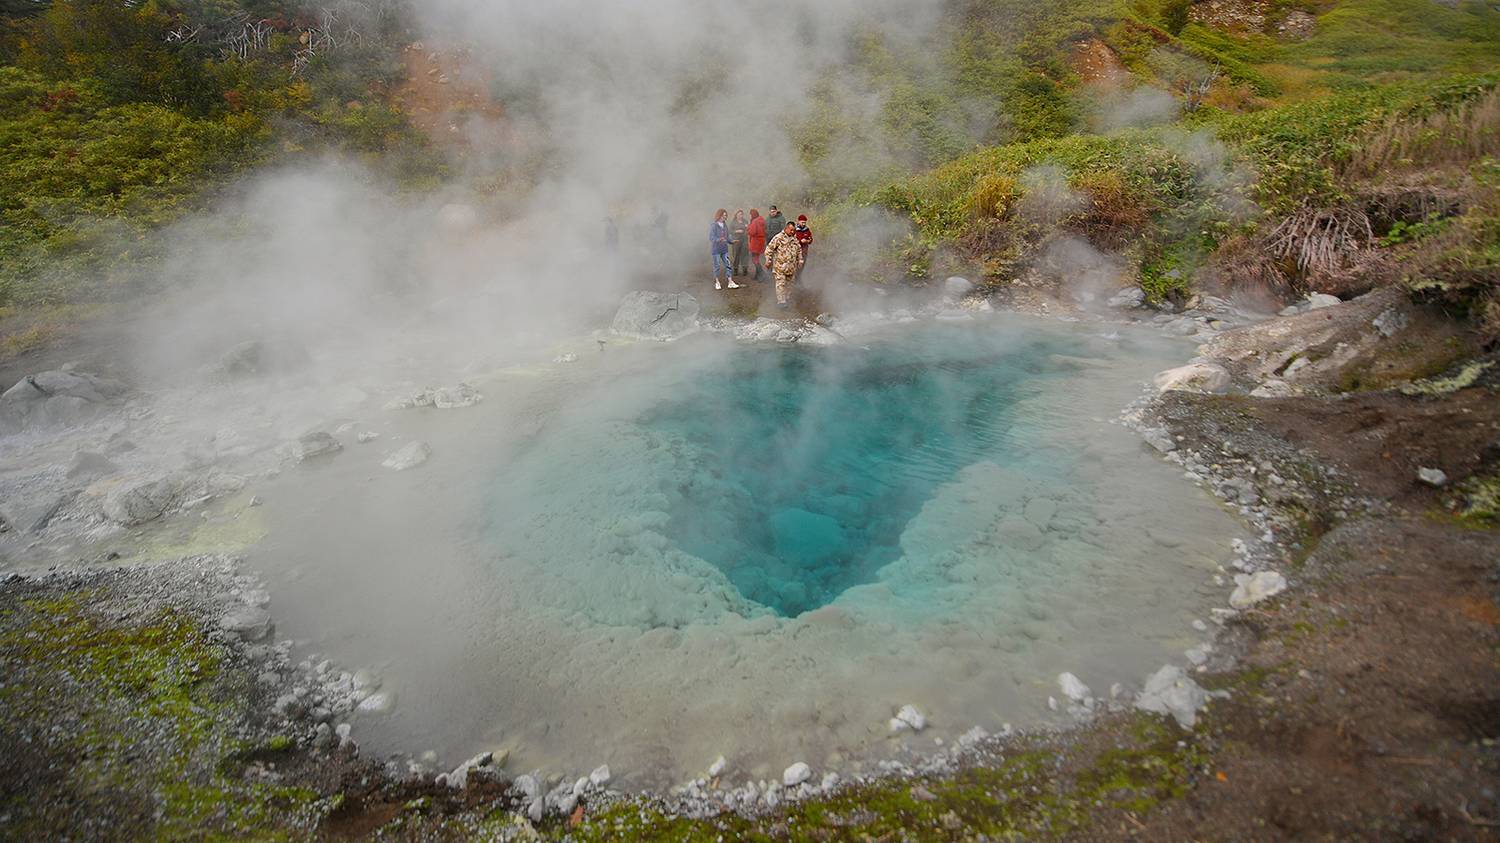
(804, 239)
(757, 233)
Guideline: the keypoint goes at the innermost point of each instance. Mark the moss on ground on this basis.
(1031, 793)
(129, 720)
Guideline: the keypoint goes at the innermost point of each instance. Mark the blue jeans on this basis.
(721, 261)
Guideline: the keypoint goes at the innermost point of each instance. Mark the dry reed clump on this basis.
(1321, 240)
(1458, 135)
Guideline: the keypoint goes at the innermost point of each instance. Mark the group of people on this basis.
(781, 245)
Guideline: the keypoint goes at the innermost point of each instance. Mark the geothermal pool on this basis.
(660, 554)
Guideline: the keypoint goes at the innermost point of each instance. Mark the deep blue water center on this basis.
(810, 462)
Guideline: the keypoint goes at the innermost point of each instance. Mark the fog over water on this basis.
(585, 572)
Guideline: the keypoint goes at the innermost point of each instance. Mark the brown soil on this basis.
(446, 94)
(1094, 61)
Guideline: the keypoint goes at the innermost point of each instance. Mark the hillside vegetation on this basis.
(1286, 145)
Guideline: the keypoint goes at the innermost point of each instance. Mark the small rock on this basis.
(908, 718)
(830, 781)
(1130, 297)
(600, 776)
(366, 436)
(1434, 477)
(1390, 322)
(379, 702)
(1170, 691)
(922, 794)
(796, 774)
(957, 287)
(716, 769)
(90, 464)
(317, 444)
(408, 456)
(135, 502)
(1194, 377)
(1253, 588)
(570, 357)
(250, 623)
(1073, 688)
(455, 397)
(1318, 301)
(1160, 440)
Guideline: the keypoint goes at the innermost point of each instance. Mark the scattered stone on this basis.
(1434, 477)
(90, 464)
(600, 776)
(1194, 377)
(1171, 691)
(1073, 688)
(1160, 439)
(138, 501)
(442, 398)
(379, 702)
(830, 781)
(648, 315)
(1253, 588)
(455, 397)
(955, 287)
(1318, 301)
(316, 444)
(1390, 322)
(570, 357)
(716, 769)
(459, 778)
(250, 623)
(908, 718)
(796, 774)
(366, 436)
(825, 319)
(922, 794)
(1128, 298)
(408, 456)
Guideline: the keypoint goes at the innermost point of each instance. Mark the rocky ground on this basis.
(1349, 690)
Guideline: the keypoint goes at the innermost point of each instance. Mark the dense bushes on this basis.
(116, 118)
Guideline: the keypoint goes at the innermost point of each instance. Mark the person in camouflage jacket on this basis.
(784, 256)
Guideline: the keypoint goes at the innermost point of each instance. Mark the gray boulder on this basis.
(1194, 377)
(1171, 691)
(139, 500)
(1130, 297)
(647, 315)
(317, 444)
(248, 622)
(90, 464)
(55, 398)
(408, 456)
(956, 287)
(1318, 301)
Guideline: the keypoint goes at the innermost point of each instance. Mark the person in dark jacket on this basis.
(757, 236)
(718, 249)
(739, 238)
(804, 239)
(775, 222)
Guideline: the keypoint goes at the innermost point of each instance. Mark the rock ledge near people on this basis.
(649, 315)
